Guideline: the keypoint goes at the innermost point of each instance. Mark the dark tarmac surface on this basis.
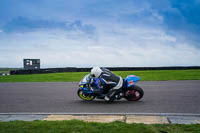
(159, 97)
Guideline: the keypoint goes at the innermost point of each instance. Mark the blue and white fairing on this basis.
(131, 80)
(83, 84)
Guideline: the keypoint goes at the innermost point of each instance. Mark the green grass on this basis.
(77, 76)
(164, 74)
(75, 126)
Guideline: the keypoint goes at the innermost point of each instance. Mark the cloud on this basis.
(105, 33)
(131, 46)
(22, 24)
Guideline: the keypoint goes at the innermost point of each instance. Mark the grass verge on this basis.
(77, 76)
(75, 126)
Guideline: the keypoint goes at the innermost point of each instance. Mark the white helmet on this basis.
(96, 72)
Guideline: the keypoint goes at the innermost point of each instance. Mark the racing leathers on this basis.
(110, 83)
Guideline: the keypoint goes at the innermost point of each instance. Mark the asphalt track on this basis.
(61, 97)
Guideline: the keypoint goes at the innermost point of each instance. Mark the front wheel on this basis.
(85, 97)
(134, 93)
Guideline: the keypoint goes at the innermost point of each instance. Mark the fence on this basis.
(74, 69)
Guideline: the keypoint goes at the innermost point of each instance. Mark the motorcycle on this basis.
(129, 90)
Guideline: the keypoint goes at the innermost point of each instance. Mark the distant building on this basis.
(31, 64)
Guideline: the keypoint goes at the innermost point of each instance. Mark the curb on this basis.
(111, 118)
(145, 119)
(87, 118)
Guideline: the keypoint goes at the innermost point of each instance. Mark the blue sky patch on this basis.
(100, 32)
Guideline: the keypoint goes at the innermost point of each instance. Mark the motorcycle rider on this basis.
(108, 81)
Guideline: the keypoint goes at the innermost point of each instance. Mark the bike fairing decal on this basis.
(131, 82)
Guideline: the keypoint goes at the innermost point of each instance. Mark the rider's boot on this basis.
(111, 95)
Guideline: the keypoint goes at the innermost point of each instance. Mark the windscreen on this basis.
(85, 79)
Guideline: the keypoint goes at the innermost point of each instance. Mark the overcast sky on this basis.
(85, 33)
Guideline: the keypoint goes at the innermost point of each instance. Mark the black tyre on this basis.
(134, 93)
(85, 97)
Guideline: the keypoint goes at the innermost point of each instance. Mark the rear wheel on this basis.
(134, 93)
(85, 97)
